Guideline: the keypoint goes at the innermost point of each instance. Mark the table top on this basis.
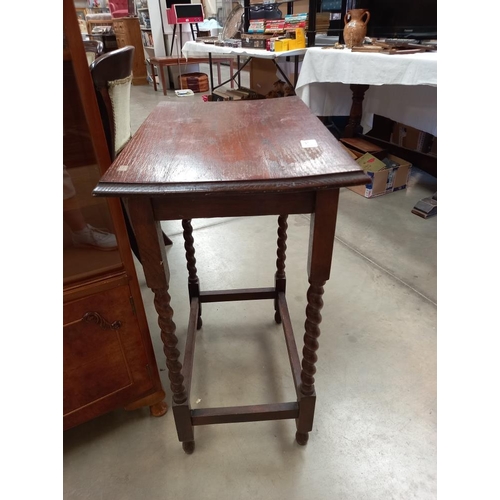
(193, 49)
(244, 146)
(344, 66)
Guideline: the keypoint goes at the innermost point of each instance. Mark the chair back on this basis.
(93, 49)
(112, 77)
(118, 8)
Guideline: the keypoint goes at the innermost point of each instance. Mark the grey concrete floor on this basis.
(374, 433)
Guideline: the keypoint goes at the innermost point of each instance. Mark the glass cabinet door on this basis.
(89, 244)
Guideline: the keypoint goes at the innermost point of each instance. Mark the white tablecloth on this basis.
(402, 87)
(198, 49)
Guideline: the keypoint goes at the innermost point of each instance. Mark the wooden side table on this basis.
(172, 61)
(249, 158)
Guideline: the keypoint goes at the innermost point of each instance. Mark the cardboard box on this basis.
(263, 75)
(384, 179)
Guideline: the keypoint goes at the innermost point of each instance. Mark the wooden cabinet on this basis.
(128, 32)
(109, 361)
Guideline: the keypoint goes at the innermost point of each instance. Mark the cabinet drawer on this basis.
(105, 363)
(120, 40)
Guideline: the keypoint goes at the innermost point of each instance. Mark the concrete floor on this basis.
(374, 433)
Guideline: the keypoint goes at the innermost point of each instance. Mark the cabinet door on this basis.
(88, 255)
(105, 364)
(108, 356)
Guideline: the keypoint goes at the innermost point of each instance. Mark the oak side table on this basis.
(227, 159)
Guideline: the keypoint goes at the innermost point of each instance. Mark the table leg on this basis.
(161, 72)
(319, 264)
(154, 261)
(153, 67)
(358, 94)
(193, 281)
(280, 276)
(219, 78)
(210, 66)
(295, 71)
(173, 38)
(239, 68)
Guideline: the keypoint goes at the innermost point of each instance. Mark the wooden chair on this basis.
(93, 49)
(112, 77)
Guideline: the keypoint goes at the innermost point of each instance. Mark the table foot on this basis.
(188, 447)
(302, 438)
(277, 317)
(199, 324)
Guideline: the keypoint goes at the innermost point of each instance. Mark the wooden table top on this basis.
(255, 145)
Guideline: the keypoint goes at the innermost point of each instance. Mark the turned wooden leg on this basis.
(319, 263)
(358, 94)
(309, 358)
(280, 277)
(153, 70)
(193, 281)
(154, 261)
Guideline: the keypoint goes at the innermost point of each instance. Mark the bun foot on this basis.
(302, 438)
(199, 324)
(277, 317)
(158, 409)
(188, 447)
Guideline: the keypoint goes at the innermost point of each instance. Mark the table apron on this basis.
(172, 207)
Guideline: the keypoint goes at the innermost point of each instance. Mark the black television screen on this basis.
(399, 18)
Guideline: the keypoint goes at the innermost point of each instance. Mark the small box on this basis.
(384, 179)
(254, 40)
(300, 39)
(281, 44)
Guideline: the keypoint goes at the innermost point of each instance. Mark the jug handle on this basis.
(345, 17)
(367, 14)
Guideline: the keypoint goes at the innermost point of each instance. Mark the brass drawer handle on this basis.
(93, 317)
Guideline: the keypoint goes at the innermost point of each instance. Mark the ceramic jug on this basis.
(355, 21)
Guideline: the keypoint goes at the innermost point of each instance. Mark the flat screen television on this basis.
(415, 19)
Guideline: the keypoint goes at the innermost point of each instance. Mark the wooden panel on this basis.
(98, 359)
(128, 32)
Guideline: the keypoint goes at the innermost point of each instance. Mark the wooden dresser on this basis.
(128, 32)
(108, 356)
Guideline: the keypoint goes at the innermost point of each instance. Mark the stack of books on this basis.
(257, 26)
(275, 26)
(293, 21)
